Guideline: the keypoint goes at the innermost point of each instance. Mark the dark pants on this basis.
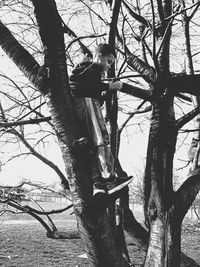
(92, 121)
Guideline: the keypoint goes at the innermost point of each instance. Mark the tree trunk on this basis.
(164, 244)
(159, 193)
(156, 251)
(93, 224)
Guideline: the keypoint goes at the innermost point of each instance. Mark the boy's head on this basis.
(105, 55)
(105, 49)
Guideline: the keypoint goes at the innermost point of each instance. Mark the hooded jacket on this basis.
(85, 81)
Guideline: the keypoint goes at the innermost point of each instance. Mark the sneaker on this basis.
(117, 184)
(99, 187)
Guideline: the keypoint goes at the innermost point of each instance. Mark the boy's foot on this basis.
(111, 185)
(99, 187)
(117, 184)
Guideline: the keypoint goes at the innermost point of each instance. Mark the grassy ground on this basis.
(23, 242)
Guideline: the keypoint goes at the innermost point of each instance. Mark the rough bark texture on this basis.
(156, 251)
(94, 227)
(158, 186)
(22, 58)
(160, 212)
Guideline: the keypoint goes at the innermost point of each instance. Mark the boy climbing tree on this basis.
(87, 88)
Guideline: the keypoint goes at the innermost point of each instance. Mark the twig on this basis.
(25, 122)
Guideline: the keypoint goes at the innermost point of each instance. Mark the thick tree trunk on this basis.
(159, 195)
(164, 244)
(92, 219)
(156, 251)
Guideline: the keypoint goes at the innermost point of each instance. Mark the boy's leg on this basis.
(93, 126)
(104, 160)
(82, 115)
(99, 135)
(87, 127)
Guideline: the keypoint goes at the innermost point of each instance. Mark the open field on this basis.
(23, 242)
(26, 244)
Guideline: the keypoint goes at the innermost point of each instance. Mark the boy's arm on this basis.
(111, 87)
(115, 86)
(105, 87)
(89, 72)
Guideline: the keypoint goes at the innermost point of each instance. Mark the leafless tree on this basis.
(158, 71)
(16, 200)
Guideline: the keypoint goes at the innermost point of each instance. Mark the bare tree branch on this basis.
(139, 18)
(185, 83)
(22, 58)
(187, 192)
(25, 122)
(188, 117)
(43, 159)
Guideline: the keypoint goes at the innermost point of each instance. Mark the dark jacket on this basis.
(85, 81)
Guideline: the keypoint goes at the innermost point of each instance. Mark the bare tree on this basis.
(15, 199)
(146, 36)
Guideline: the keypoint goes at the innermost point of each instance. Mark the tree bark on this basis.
(158, 184)
(22, 58)
(162, 205)
(92, 219)
(165, 253)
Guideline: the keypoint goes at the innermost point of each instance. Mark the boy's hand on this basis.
(115, 86)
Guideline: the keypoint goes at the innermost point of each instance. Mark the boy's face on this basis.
(106, 61)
